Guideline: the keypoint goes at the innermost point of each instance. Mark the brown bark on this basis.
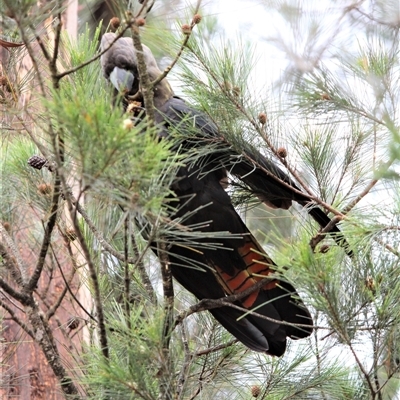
(34, 360)
(25, 370)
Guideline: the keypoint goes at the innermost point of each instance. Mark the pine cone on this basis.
(255, 391)
(282, 152)
(186, 29)
(196, 19)
(262, 118)
(37, 162)
(72, 323)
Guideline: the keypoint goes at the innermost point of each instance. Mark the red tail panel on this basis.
(258, 267)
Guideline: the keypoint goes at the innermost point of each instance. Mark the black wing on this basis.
(262, 177)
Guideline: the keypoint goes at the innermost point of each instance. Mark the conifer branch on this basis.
(216, 348)
(127, 280)
(322, 233)
(121, 33)
(340, 329)
(75, 267)
(94, 279)
(21, 297)
(16, 319)
(168, 292)
(262, 132)
(257, 128)
(145, 84)
(14, 260)
(67, 288)
(53, 61)
(185, 365)
(387, 247)
(32, 54)
(44, 337)
(99, 235)
(32, 283)
(142, 270)
(144, 5)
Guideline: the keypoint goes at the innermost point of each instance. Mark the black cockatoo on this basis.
(240, 261)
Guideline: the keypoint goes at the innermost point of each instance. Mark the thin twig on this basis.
(67, 287)
(375, 355)
(361, 367)
(366, 190)
(132, 386)
(139, 13)
(390, 376)
(142, 270)
(318, 356)
(293, 172)
(71, 255)
(12, 301)
(44, 337)
(341, 331)
(43, 48)
(168, 291)
(180, 51)
(183, 374)
(94, 58)
(393, 25)
(209, 304)
(144, 79)
(94, 279)
(347, 320)
(31, 52)
(98, 235)
(11, 262)
(31, 285)
(53, 61)
(203, 369)
(127, 279)
(322, 233)
(16, 319)
(21, 297)
(216, 348)
(387, 247)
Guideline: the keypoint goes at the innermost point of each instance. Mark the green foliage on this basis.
(215, 79)
(338, 122)
(110, 153)
(136, 356)
(22, 185)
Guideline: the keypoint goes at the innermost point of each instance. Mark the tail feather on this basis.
(276, 195)
(204, 285)
(258, 266)
(243, 329)
(276, 300)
